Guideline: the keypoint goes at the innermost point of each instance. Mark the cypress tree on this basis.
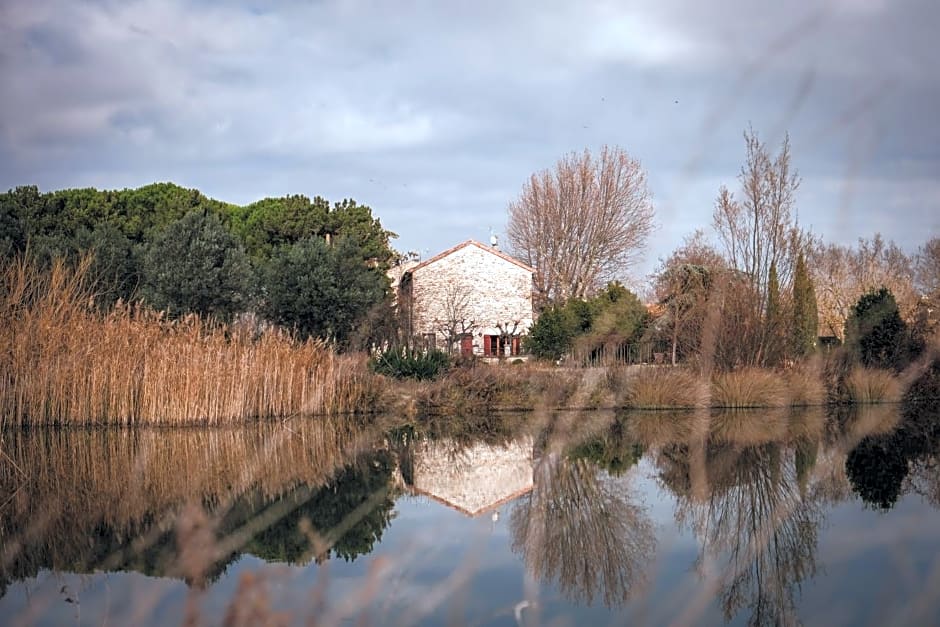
(805, 316)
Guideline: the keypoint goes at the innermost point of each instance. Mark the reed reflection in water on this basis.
(751, 490)
(111, 499)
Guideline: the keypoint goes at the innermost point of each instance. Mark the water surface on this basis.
(771, 517)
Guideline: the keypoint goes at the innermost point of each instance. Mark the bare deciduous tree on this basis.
(842, 274)
(508, 329)
(754, 517)
(583, 530)
(759, 232)
(927, 268)
(582, 223)
(454, 314)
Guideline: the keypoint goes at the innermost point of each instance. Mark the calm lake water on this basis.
(573, 518)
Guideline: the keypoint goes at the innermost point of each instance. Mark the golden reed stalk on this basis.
(63, 362)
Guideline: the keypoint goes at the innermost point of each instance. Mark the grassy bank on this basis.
(64, 362)
(484, 388)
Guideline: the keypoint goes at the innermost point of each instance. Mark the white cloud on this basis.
(631, 38)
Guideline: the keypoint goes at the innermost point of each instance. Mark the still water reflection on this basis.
(648, 518)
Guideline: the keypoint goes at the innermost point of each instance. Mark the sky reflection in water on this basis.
(650, 518)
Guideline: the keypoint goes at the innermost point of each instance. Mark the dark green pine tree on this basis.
(804, 329)
(195, 265)
(875, 333)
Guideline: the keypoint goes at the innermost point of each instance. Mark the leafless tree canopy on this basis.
(927, 268)
(583, 531)
(682, 285)
(455, 314)
(759, 233)
(843, 273)
(582, 223)
(759, 230)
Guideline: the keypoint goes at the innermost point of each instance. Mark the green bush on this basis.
(550, 337)
(615, 315)
(411, 364)
(875, 333)
(925, 390)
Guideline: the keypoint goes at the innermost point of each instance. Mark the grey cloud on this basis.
(437, 113)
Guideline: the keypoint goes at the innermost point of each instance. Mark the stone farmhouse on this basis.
(473, 297)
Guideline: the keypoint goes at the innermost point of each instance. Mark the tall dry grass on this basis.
(749, 387)
(65, 363)
(665, 388)
(484, 388)
(805, 384)
(870, 385)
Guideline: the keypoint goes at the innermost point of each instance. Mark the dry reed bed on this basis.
(678, 388)
(748, 388)
(65, 484)
(66, 363)
(665, 388)
(485, 388)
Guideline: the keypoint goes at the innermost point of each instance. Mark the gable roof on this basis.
(483, 509)
(473, 242)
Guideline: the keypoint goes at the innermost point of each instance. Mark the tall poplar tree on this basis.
(772, 326)
(804, 329)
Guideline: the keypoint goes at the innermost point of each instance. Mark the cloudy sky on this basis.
(435, 113)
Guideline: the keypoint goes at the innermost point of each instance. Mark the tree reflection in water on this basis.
(752, 487)
(880, 464)
(348, 515)
(84, 501)
(755, 519)
(579, 527)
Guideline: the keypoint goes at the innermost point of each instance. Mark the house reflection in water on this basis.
(473, 479)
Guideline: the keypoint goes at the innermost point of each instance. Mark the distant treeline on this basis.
(308, 264)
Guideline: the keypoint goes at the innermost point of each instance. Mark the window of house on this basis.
(496, 346)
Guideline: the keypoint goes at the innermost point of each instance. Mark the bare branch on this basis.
(583, 223)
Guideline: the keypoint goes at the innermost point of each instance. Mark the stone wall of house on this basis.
(484, 288)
